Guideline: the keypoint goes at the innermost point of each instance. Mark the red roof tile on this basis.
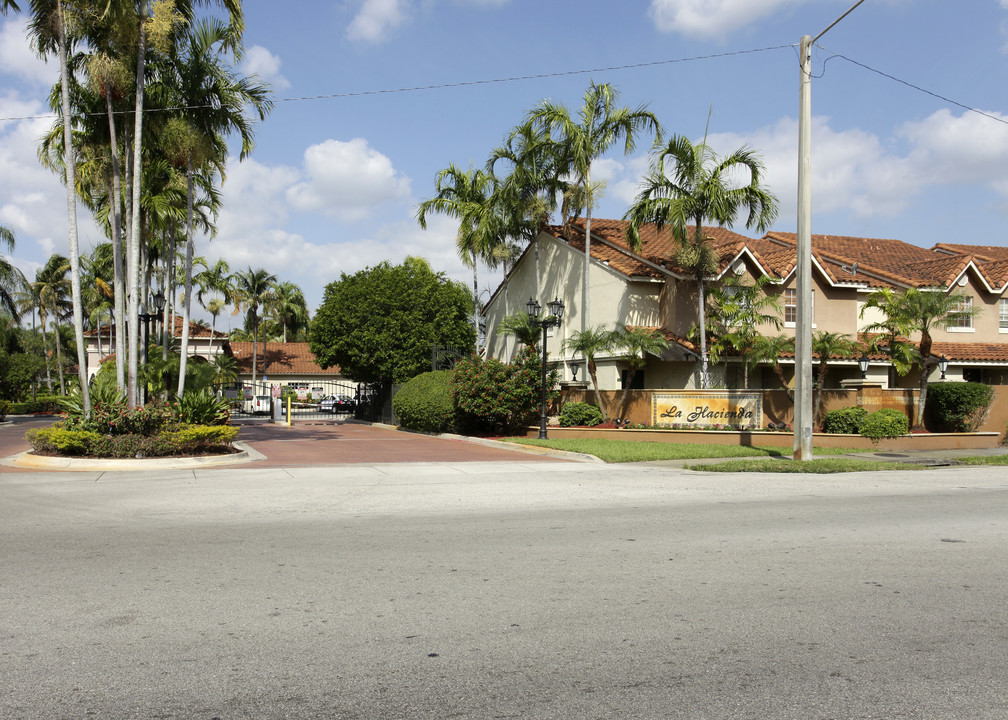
(280, 359)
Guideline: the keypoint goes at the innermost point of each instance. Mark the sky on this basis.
(374, 97)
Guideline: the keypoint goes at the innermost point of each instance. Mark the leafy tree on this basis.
(287, 306)
(738, 313)
(521, 326)
(597, 127)
(637, 343)
(887, 336)
(380, 324)
(591, 343)
(827, 345)
(917, 311)
(771, 349)
(690, 184)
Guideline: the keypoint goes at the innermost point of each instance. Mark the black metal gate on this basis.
(311, 400)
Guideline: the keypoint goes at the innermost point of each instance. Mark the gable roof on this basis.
(196, 330)
(275, 358)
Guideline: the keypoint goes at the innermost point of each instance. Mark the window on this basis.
(1003, 314)
(791, 308)
(961, 318)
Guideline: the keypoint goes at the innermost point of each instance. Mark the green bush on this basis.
(60, 441)
(199, 407)
(579, 413)
(958, 406)
(885, 423)
(491, 397)
(5, 407)
(132, 445)
(42, 404)
(196, 439)
(846, 420)
(425, 402)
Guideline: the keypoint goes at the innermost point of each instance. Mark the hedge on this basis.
(425, 403)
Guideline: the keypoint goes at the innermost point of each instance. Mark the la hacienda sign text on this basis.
(707, 408)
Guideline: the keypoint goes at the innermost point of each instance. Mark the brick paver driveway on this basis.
(329, 443)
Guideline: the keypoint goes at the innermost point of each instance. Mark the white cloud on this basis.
(347, 180)
(17, 58)
(376, 18)
(712, 18)
(951, 149)
(261, 62)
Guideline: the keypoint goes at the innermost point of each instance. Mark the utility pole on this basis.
(803, 270)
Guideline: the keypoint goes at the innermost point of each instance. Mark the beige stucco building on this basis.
(646, 289)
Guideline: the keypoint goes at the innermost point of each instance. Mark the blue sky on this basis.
(333, 183)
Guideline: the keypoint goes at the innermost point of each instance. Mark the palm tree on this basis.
(888, 336)
(826, 345)
(599, 125)
(591, 343)
(772, 349)
(466, 196)
(637, 344)
(738, 314)
(253, 288)
(688, 184)
(288, 307)
(48, 29)
(521, 326)
(11, 279)
(50, 293)
(921, 312)
(214, 98)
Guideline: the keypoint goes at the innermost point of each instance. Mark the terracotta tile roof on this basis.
(280, 359)
(656, 247)
(975, 352)
(996, 273)
(983, 253)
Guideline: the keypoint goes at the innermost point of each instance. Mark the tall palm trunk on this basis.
(476, 307)
(188, 281)
(59, 360)
(45, 350)
(702, 316)
(586, 283)
(71, 186)
(133, 264)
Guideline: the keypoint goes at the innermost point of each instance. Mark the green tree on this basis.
(288, 308)
(888, 335)
(920, 312)
(591, 343)
(51, 292)
(598, 126)
(739, 312)
(690, 184)
(825, 346)
(771, 350)
(380, 324)
(11, 280)
(524, 330)
(252, 289)
(637, 343)
(466, 196)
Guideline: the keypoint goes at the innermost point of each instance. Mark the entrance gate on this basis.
(312, 400)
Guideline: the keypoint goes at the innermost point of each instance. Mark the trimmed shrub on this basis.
(425, 402)
(59, 440)
(42, 404)
(5, 407)
(846, 420)
(958, 406)
(131, 445)
(885, 423)
(198, 439)
(580, 413)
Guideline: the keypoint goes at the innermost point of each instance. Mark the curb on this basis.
(28, 460)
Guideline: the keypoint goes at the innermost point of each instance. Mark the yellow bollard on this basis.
(288, 411)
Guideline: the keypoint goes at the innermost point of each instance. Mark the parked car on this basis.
(261, 404)
(336, 404)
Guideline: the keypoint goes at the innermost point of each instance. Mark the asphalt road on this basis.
(503, 591)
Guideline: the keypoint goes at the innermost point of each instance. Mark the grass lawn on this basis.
(620, 451)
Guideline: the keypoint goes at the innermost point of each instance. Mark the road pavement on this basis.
(523, 589)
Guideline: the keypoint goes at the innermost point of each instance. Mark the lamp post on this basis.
(556, 309)
(943, 365)
(863, 364)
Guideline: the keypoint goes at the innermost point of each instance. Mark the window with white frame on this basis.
(961, 318)
(1003, 314)
(791, 307)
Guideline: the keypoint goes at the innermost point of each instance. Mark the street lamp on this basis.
(863, 364)
(943, 365)
(556, 309)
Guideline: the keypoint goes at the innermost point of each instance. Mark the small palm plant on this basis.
(592, 343)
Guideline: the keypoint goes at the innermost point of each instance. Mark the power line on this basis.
(464, 83)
